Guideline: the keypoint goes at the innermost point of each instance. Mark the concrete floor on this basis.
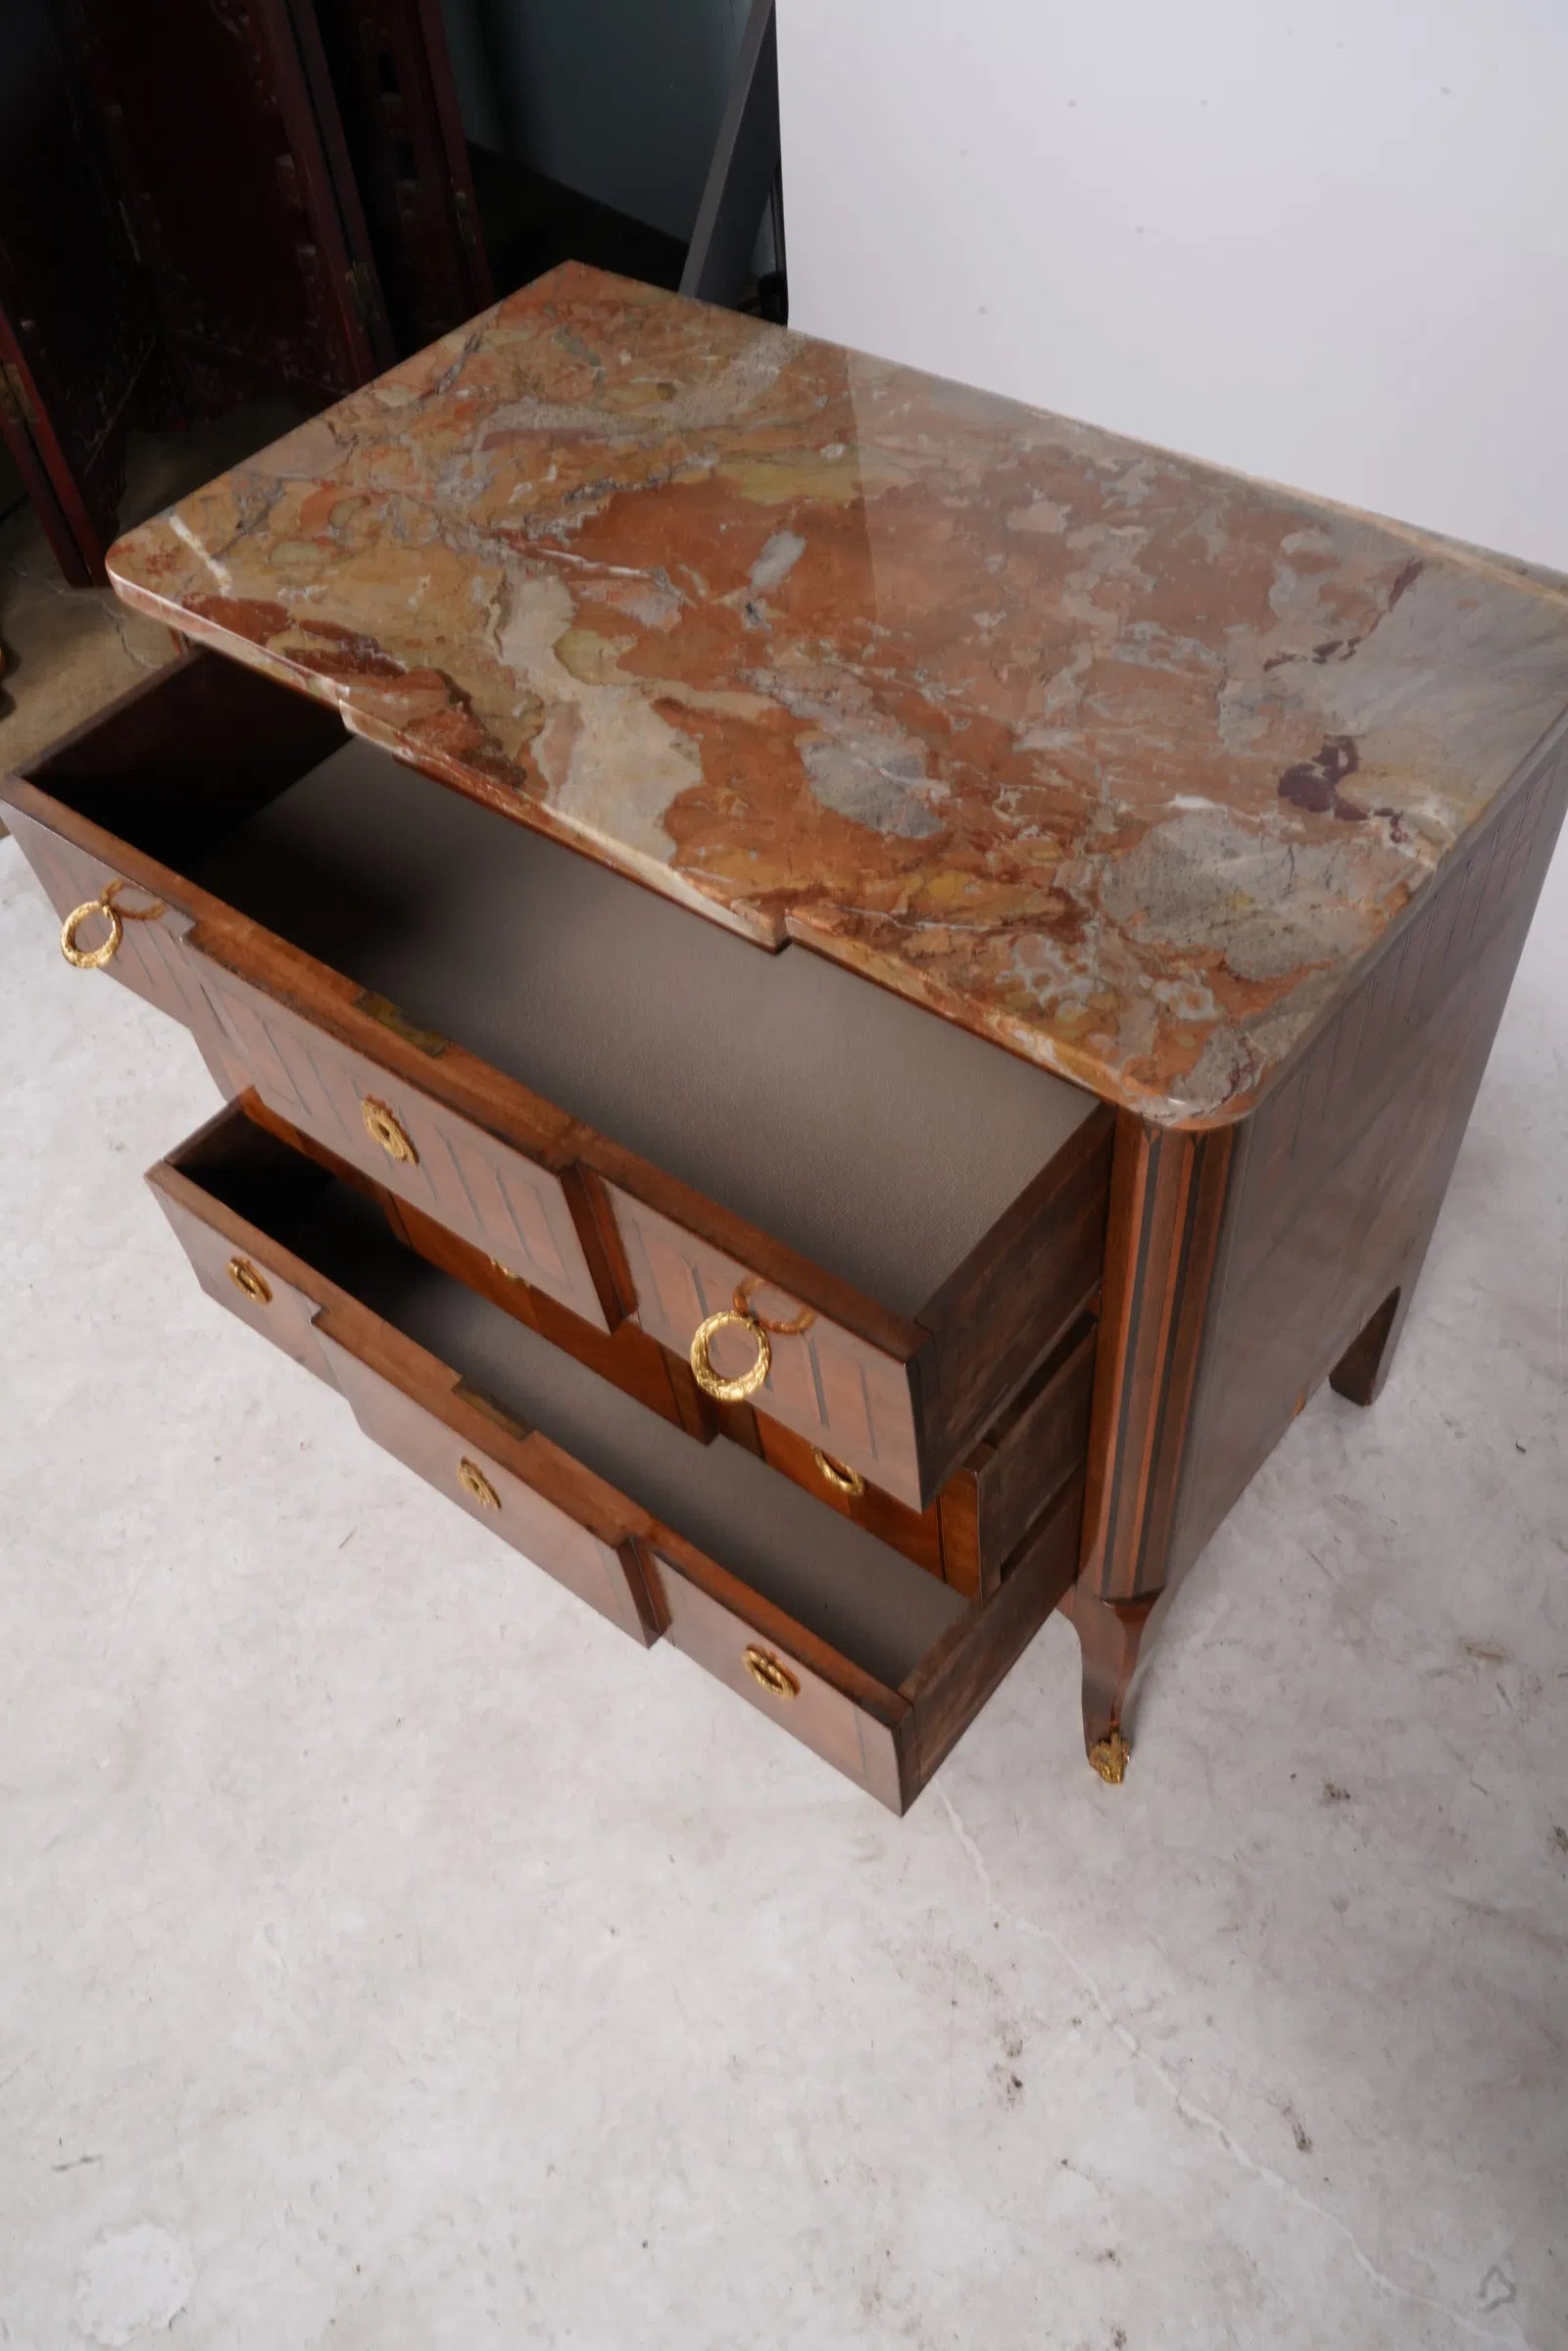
(394, 1958)
(64, 652)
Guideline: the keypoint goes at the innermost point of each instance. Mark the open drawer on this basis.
(966, 1535)
(841, 1208)
(843, 1643)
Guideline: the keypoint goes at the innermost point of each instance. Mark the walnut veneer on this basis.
(832, 1332)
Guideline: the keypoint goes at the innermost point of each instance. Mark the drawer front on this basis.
(625, 1357)
(917, 1533)
(769, 1673)
(598, 1542)
(501, 1200)
(151, 959)
(895, 1401)
(238, 1269)
(964, 1538)
(459, 1464)
(825, 1383)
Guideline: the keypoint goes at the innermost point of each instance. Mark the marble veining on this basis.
(1117, 759)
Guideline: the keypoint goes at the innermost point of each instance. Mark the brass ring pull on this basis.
(382, 1127)
(770, 1674)
(473, 1480)
(712, 1383)
(245, 1278)
(93, 958)
(741, 1302)
(839, 1475)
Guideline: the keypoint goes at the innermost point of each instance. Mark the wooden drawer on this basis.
(151, 959)
(500, 1474)
(513, 1206)
(965, 1537)
(242, 1269)
(898, 1398)
(841, 1640)
(620, 1100)
(980, 1516)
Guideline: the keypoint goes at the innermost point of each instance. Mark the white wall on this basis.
(1325, 243)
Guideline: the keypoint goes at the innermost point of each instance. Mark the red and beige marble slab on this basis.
(1117, 759)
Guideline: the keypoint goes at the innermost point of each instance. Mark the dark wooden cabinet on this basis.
(1242, 1265)
(207, 201)
(789, 1105)
(250, 228)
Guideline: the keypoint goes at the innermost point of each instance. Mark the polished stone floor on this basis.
(393, 1958)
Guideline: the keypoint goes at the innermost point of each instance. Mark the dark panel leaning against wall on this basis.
(592, 125)
(78, 346)
(391, 84)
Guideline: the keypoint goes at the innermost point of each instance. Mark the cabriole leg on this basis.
(1110, 1632)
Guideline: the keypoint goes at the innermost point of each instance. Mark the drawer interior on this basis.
(874, 1605)
(872, 1138)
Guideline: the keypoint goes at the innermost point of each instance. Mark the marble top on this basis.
(1117, 759)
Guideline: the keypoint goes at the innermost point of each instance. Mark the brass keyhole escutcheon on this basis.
(93, 958)
(745, 1383)
(245, 1278)
(839, 1475)
(382, 1127)
(473, 1480)
(768, 1674)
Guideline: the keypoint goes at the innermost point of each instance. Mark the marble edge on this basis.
(1026, 1042)
(1550, 744)
(538, 817)
(1018, 1038)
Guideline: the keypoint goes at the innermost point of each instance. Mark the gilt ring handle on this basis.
(741, 1304)
(93, 958)
(748, 1382)
(839, 1475)
(741, 1315)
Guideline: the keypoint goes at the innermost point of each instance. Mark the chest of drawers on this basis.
(833, 996)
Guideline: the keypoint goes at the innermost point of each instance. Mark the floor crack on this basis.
(1199, 2116)
(116, 617)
